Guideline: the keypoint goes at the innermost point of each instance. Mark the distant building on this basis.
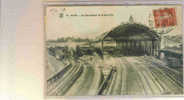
(131, 20)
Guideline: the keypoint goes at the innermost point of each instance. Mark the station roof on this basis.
(132, 31)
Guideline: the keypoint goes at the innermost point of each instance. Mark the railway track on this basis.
(133, 83)
(175, 75)
(123, 77)
(128, 76)
(51, 85)
(168, 83)
(105, 85)
(117, 84)
(153, 84)
(115, 81)
(146, 82)
(54, 66)
(85, 85)
(66, 82)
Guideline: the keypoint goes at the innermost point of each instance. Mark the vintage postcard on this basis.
(113, 50)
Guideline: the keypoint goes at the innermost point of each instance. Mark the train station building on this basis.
(132, 39)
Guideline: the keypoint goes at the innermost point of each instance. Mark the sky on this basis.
(59, 21)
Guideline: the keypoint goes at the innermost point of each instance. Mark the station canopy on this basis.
(132, 31)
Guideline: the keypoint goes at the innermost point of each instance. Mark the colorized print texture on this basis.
(113, 50)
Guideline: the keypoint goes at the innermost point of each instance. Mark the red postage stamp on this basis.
(165, 17)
